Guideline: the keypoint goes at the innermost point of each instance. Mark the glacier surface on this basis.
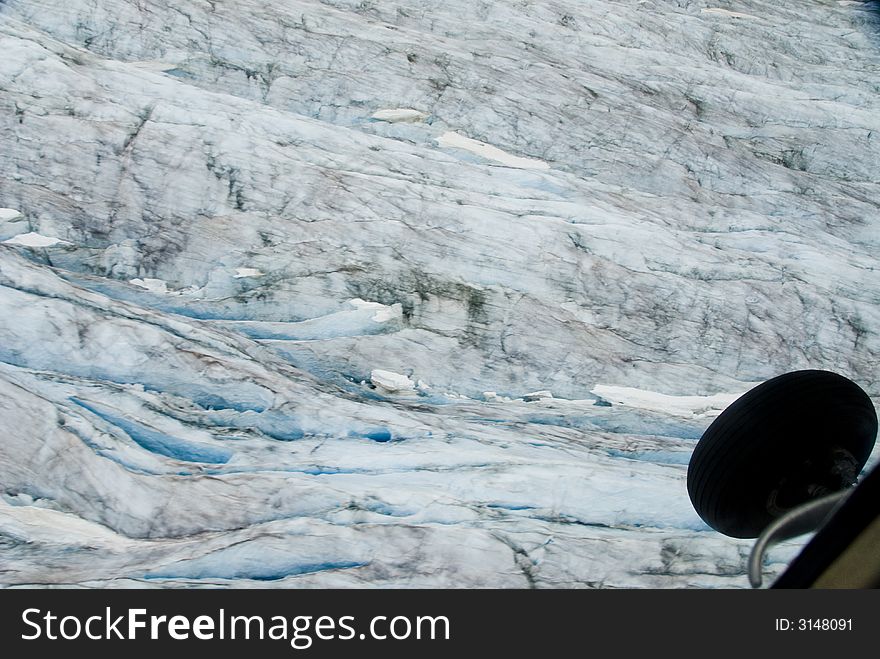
(323, 293)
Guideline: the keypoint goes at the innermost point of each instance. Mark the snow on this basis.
(537, 395)
(453, 140)
(9, 214)
(702, 218)
(51, 526)
(33, 239)
(399, 115)
(725, 12)
(152, 285)
(390, 381)
(247, 272)
(383, 313)
(386, 314)
(686, 406)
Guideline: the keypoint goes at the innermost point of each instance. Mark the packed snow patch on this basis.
(685, 406)
(384, 313)
(454, 140)
(725, 12)
(537, 395)
(399, 115)
(33, 239)
(247, 272)
(154, 66)
(7, 214)
(44, 525)
(391, 382)
(152, 285)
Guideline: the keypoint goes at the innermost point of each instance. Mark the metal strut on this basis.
(806, 518)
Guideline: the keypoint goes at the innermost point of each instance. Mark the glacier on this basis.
(348, 293)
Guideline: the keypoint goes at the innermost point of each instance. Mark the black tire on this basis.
(790, 439)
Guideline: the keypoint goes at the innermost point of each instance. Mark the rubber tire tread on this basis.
(764, 435)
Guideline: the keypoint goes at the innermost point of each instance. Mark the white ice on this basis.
(686, 406)
(399, 115)
(453, 140)
(152, 285)
(34, 239)
(466, 217)
(247, 272)
(725, 12)
(383, 313)
(391, 382)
